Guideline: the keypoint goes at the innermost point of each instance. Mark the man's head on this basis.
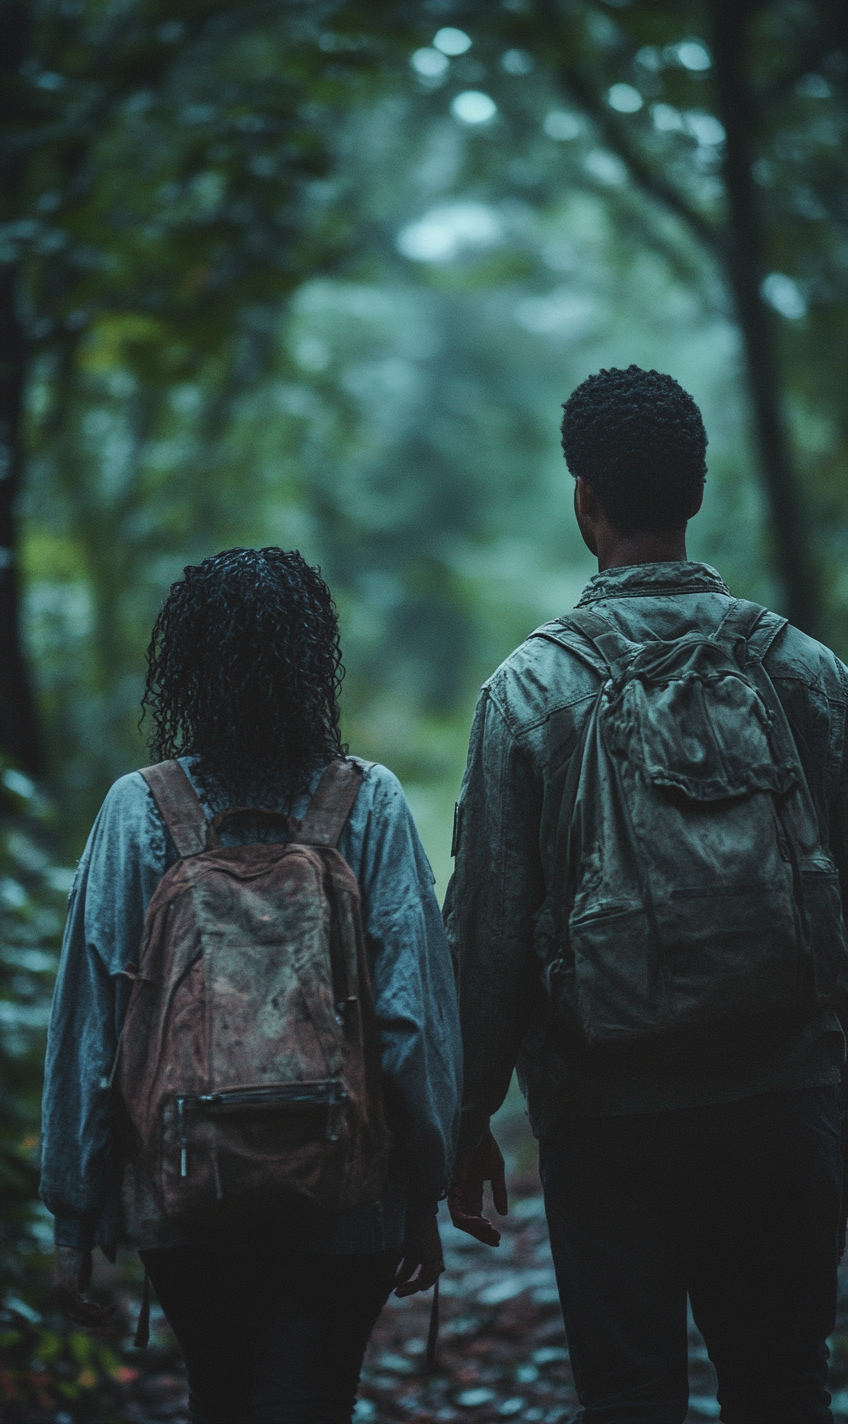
(243, 672)
(638, 441)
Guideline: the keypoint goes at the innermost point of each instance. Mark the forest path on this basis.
(502, 1351)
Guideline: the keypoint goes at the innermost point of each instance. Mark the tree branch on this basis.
(580, 89)
(831, 35)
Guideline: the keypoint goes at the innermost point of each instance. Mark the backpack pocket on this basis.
(693, 958)
(616, 984)
(220, 1148)
(823, 930)
(729, 954)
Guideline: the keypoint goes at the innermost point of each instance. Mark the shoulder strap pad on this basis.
(178, 805)
(607, 644)
(612, 645)
(331, 804)
(755, 624)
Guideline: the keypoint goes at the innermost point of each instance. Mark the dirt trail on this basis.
(502, 1349)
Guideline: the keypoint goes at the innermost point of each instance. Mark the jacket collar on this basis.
(653, 581)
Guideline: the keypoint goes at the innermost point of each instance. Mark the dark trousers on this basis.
(735, 1204)
(270, 1337)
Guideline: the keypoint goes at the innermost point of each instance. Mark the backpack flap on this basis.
(696, 723)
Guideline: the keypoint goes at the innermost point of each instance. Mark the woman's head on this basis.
(243, 672)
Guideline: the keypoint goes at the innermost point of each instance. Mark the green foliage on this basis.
(210, 390)
(750, 164)
(33, 893)
(167, 165)
(276, 290)
(45, 1365)
(50, 1371)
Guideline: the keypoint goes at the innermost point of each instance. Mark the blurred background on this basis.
(320, 274)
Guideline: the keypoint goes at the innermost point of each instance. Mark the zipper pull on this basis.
(181, 1137)
(334, 1106)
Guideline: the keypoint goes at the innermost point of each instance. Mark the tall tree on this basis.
(160, 164)
(17, 712)
(685, 94)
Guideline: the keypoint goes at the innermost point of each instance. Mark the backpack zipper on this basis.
(330, 1093)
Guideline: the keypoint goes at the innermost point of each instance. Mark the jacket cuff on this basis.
(418, 1206)
(75, 1231)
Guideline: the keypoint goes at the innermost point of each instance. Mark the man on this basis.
(698, 1155)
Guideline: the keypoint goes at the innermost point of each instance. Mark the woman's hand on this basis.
(422, 1252)
(71, 1276)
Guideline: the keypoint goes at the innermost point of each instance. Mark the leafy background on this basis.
(321, 274)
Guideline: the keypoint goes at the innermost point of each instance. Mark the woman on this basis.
(272, 1310)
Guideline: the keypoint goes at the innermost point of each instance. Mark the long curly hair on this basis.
(243, 672)
(638, 439)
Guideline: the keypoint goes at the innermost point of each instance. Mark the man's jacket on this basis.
(528, 722)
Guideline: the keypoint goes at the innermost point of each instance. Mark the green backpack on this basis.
(692, 887)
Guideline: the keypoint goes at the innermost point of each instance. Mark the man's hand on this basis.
(422, 1252)
(71, 1276)
(465, 1198)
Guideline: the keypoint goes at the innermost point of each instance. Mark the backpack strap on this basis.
(749, 621)
(331, 805)
(178, 806)
(610, 646)
(755, 624)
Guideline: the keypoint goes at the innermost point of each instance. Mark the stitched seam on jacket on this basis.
(816, 685)
(519, 729)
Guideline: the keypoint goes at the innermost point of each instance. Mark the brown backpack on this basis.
(249, 1064)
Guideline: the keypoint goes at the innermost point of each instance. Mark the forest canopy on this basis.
(322, 275)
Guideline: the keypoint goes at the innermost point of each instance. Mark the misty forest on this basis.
(320, 273)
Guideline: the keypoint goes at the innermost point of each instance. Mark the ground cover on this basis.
(502, 1352)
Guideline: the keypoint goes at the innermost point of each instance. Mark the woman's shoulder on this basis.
(128, 836)
(129, 795)
(127, 815)
(381, 788)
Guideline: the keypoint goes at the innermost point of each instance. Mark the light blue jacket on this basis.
(127, 854)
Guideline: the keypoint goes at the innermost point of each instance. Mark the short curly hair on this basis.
(638, 440)
(243, 673)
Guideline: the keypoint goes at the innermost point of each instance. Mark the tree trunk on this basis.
(745, 263)
(18, 734)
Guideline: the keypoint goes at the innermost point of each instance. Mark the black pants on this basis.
(736, 1205)
(270, 1337)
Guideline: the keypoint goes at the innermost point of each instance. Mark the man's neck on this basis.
(617, 551)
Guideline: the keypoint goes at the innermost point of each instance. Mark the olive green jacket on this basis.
(528, 721)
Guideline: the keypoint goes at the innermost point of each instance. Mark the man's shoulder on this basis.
(540, 677)
(797, 657)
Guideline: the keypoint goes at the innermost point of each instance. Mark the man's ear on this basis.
(588, 513)
(585, 500)
(697, 501)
